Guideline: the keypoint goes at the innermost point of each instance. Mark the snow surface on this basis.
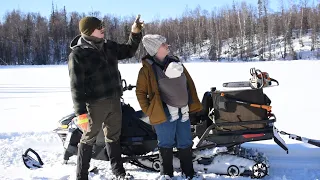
(34, 98)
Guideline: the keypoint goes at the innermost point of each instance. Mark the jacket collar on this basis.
(81, 41)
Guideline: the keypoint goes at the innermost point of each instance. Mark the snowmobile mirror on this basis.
(124, 84)
(30, 162)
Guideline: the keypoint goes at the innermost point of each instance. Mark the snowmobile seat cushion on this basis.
(234, 106)
(140, 114)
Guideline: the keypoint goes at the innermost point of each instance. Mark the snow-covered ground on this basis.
(34, 98)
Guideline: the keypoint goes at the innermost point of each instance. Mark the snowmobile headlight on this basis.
(63, 126)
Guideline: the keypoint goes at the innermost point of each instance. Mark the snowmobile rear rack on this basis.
(246, 122)
(228, 138)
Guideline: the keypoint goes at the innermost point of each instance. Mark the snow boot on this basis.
(186, 164)
(166, 161)
(164, 177)
(126, 176)
(83, 161)
(114, 153)
(196, 176)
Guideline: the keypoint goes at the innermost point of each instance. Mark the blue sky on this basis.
(149, 9)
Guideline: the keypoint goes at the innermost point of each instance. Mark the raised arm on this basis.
(128, 50)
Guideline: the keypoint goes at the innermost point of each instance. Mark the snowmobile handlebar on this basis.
(126, 87)
(130, 87)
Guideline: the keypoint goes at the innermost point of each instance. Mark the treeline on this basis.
(247, 30)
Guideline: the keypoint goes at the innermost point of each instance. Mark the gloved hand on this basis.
(137, 25)
(83, 122)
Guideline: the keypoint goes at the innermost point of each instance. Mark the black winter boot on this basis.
(166, 158)
(83, 161)
(186, 164)
(114, 153)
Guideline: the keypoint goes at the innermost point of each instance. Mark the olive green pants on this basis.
(104, 114)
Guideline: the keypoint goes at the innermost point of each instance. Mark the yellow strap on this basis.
(82, 120)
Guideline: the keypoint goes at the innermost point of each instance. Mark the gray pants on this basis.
(105, 114)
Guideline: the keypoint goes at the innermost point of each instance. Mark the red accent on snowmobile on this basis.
(252, 135)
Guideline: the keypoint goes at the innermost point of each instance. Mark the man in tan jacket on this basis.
(154, 92)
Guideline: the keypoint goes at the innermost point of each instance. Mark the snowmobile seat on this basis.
(142, 116)
(137, 137)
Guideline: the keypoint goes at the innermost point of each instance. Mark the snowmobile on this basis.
(229, 119)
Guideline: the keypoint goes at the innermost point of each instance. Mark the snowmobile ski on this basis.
(302, 139)
(279, 140)
(30, 162)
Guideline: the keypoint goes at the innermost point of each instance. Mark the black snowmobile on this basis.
(229, 118)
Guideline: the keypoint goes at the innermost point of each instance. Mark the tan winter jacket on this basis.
(148, 94)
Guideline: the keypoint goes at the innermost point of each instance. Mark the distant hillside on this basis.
(301, 48)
